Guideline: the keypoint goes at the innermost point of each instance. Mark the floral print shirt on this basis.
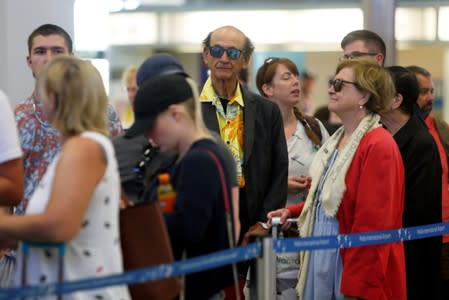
(41, 142)
(230, 123)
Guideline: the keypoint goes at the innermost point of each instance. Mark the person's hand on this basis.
(298, 184)
(124, 204)
(258, 229)
(6, 246)
(124, 201)
(4, 211)
(282, 213)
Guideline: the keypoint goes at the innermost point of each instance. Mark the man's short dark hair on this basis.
(248, 47)
(371, 39)
(407, 85)
(419, 70)
(50, 29)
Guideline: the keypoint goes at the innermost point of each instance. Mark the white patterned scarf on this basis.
(334, 187)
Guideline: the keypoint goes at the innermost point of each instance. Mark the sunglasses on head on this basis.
(337, 84)
(269, 60)
(218, 51)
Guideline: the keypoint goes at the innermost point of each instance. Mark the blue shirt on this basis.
(323, 278)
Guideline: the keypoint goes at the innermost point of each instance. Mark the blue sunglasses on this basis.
(218, 51)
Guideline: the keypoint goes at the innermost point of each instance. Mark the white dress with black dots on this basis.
(95, 251)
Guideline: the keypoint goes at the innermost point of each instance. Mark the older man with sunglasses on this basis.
(250, 125)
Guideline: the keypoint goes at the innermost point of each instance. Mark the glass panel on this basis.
(308, 25)
(414, 24)
(443, 23)
(133, 28)
(102, 66)
(263, 27)
(91, 25)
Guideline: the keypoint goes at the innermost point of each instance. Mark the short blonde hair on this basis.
(129, 74)
(81, 101)
(372, 78)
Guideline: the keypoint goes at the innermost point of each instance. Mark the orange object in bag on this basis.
(166, 193)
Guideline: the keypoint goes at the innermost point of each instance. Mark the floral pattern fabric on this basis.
(40, 143)
(230, 123)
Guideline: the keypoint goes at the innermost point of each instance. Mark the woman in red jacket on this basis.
(357, 186)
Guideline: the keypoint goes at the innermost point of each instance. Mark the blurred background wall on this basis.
(117, 33)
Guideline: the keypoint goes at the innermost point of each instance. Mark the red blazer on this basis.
(373, 201)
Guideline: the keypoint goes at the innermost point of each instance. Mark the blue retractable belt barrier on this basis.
(227, 257)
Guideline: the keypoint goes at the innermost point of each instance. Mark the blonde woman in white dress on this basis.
(77, 201)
